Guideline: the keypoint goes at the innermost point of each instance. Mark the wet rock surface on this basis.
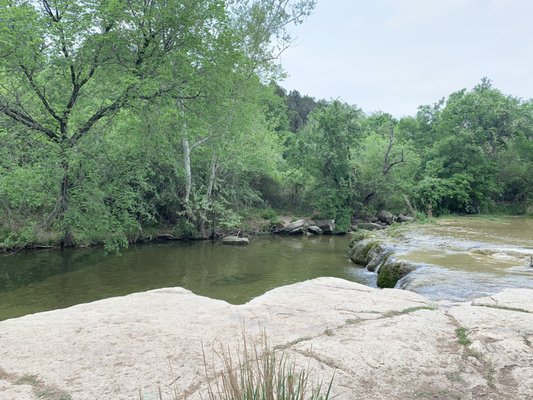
(380, 344)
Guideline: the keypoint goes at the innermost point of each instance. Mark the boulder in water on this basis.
(235, 240)
(392, 271)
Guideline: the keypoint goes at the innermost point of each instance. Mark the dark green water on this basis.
(47, 280)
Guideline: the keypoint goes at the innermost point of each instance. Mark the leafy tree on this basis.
(386, 165)
(323, 149)
(72, 69)
(471, 134)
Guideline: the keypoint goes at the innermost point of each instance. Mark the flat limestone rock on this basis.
(380, 344)
(10, 390)
(508, 299)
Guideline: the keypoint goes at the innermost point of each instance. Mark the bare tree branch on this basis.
(40, 94)
(25, 119)
(387, 165)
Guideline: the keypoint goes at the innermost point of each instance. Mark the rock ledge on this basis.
(381, 344)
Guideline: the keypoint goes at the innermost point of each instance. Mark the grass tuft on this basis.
(390, 314)
(462, 336)
(259, 372)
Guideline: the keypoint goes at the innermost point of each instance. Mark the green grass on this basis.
(28, 379)
(390, 314)
(474, 353)
(352, 321)
(455, 377)
(40, 389)
(462, 336)
(329, 332)
(489, 375)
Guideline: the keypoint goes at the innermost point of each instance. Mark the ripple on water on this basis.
(464, 258)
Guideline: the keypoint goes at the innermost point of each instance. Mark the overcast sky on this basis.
(394, 55)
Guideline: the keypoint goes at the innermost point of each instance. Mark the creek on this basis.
(46, 280)
(463, 258)
(458, 259)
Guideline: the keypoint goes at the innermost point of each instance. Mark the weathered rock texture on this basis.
(381, 344)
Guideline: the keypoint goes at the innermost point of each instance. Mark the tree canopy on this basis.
(118, 118)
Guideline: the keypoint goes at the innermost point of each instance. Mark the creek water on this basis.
(46, 280)
(457, 259)
(463, 258)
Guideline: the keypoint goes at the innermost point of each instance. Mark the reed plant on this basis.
(254, 371)
(258, 372)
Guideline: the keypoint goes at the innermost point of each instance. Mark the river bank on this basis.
(390, 343)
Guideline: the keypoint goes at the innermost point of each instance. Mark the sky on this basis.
(394, 55)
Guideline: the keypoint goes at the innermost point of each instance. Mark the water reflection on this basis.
(35, 282)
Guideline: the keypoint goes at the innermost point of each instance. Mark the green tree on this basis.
(323, 150)
(68, 65)
(72, 69)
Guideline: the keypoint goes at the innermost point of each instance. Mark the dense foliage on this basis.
(119, 118)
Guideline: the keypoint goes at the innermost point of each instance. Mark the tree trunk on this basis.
(68, 238)
(209, 193)
(212, 174)
(187, 167)
(410, 207)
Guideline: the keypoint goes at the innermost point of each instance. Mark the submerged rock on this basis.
(235, 240)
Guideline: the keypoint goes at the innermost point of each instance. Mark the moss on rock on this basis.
(360, 251)
(391, 272)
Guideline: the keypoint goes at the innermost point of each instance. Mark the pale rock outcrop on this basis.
(291, 227)
(380, 344)
(235, 240)
(315, 230)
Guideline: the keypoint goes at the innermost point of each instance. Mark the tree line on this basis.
(118, 117)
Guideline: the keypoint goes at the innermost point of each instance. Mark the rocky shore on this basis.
(380, 344)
